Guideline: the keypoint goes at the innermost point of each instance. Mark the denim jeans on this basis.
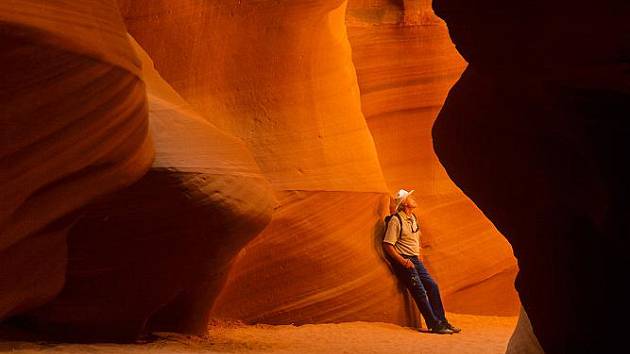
(423, 289)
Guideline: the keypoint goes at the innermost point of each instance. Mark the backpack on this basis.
(388, 218)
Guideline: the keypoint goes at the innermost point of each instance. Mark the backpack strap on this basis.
(401, 225)
(389, 218)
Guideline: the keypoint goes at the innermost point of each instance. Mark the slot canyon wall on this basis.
(273, 106)
(535, 132)
(276, 132)
(151, 256)
(73, 125)
(406, 64)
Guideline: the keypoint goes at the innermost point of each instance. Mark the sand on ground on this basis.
(480, 335)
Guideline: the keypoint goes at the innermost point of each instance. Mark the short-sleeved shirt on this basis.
(409, 242)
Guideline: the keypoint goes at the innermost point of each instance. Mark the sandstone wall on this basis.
(406, 64)
(298, 108)
(153, 256)
(291, 94)
(73, 123)
(279, 129)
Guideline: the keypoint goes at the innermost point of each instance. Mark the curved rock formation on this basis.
(153, 256)
(535, 132)
(278, 75)
(270, 121)
(73, 123)
(291, 94)
(406, 63)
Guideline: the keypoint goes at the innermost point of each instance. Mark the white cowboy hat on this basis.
(401, 196)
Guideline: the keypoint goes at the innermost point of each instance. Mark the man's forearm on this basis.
(393, 254)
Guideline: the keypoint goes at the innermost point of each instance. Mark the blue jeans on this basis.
(423, 289)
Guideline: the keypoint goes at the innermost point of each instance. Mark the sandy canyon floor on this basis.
(480, 335)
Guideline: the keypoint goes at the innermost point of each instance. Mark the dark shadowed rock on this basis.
(535, 132)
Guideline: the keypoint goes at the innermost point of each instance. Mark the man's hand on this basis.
(408, 264)
(391, 252)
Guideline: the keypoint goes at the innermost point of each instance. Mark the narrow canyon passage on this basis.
(215, 174)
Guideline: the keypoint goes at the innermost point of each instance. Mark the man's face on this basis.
(410, 202)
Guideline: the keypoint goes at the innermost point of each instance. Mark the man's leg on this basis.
(412, 280)
(432, 289)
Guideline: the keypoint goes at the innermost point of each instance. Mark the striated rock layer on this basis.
(280, 76)
(324, 267)
(153, 256)
(264, 201)
(406, 63)
(291, 94)
(73, 127)
(535, 132)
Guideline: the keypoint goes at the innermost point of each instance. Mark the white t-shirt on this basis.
(409, 241)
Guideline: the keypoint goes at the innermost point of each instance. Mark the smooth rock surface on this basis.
(278, 75)
(73, 127)
(291, 94)
(152, 257)
(406, 63)
(277, 134)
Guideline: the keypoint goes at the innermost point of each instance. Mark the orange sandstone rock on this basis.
(291, 94)
(152, 257)
(406, 64)
(259, 101)
(73, 119)
(279, 75)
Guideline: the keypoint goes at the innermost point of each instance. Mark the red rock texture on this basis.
(300, 114)
(153, 256)
(535, 132)
(277, 134)
(277, 75)
(73, 122)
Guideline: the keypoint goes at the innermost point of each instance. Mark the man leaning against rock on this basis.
(401, 244)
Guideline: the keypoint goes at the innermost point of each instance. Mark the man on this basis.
(403, 248)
